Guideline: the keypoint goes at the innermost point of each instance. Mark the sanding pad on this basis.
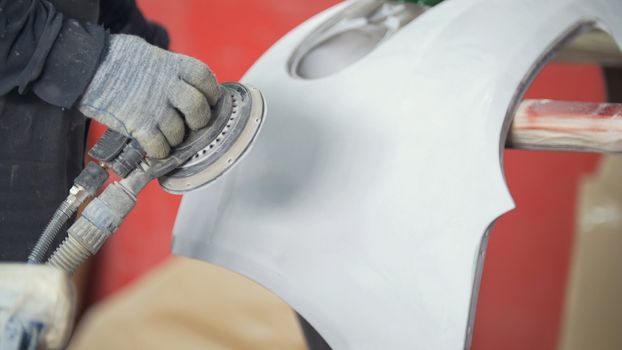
(231, 135)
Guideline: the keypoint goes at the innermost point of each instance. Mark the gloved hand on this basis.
(37, 306)
(150, 94)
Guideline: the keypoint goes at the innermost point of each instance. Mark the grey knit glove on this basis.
(150, 94)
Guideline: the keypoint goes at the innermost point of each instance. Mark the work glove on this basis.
(150, 94)
(37, 307)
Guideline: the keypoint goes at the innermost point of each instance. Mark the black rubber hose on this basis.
(64, 212)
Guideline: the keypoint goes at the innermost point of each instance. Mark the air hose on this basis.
(84, 187)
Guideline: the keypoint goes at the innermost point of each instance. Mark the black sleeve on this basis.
(40, 51)
(123, 16)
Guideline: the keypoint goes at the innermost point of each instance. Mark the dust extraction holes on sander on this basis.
(204, 156)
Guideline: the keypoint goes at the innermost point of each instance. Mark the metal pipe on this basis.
(567, 126)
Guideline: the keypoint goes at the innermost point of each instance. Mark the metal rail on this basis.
(567, 126)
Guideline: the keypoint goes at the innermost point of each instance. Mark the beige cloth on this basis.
(593, 315)
(186, 304)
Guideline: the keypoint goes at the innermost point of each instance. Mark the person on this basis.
(64, 60)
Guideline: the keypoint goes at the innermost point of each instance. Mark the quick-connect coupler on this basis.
(98, 222)
(85, 186)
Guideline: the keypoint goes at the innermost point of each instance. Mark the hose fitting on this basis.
(98, 222)
(85, 186)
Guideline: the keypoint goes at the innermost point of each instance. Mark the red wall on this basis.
(522, 293)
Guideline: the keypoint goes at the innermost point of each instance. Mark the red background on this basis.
(522, 293)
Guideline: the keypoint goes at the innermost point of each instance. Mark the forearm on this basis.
(41, 51)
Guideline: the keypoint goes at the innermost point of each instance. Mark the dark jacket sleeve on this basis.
(43, 52)
(123, 16)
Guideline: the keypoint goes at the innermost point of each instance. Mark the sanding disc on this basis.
(236, 135)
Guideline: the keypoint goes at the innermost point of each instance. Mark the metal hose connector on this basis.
(99, 220)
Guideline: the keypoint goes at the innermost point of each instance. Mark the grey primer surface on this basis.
(367, 198)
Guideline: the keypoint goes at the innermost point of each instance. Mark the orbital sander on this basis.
(201, 158)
